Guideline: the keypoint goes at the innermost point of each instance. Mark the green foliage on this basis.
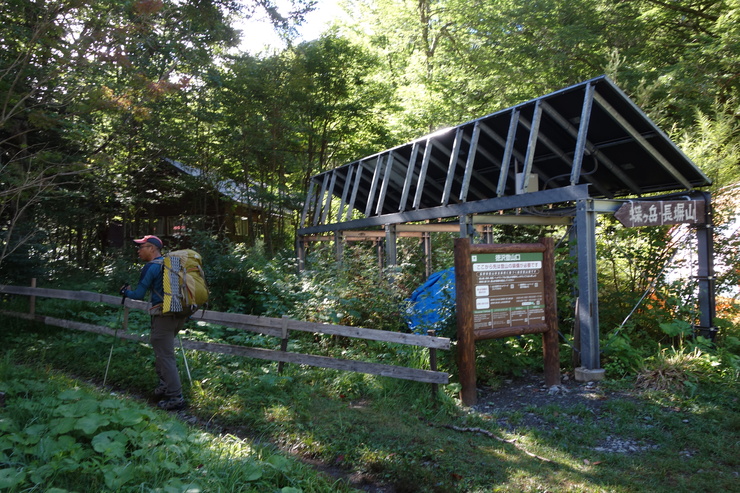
(630, 267)
(230, 273)
(678, 330)
(354, 291)
(621, 357)
(398, 70)
(385, 427)
(510, 356)
(57, 434)
(393, 71)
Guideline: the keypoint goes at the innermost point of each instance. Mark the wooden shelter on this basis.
(562, 158)
(184, 198)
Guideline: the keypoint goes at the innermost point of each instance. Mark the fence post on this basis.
(32, 299)
(433, 367)
(283, 342)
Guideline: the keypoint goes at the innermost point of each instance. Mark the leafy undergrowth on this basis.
(389, 435)
(58, 435)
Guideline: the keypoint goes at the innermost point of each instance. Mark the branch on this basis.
(685, 10)
(495, 437)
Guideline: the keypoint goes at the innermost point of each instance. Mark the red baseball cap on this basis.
(150, 239)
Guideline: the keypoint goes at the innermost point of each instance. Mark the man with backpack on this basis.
(164, 327)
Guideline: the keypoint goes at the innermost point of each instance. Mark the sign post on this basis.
(698, 213)
(501, 291)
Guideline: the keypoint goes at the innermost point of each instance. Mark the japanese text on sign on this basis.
(509, 290)
(657, 213)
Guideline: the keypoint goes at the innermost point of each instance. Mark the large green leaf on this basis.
(251, 472)
(10, 478)
(116, 477)
(78, 409)
(62, 426)
(110, 443)
(90, 424)
(128, 417)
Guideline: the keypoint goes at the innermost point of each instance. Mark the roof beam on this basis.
(642, 141)
(564, 157)
(545, 197)
(374, 184)
(319, 200)
(423, 172)
(454, 156)
(345, 192)
(384, 186)
(508, 150)
(588, 99)
(514, 153)
(580, 134)
(409, 176)
(469, 163)
(534, 131)
(355, 187)
(329, 195)
(309, 199)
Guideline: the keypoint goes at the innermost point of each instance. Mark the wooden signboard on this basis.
(636, 213)
(509, 290)
(501, 291)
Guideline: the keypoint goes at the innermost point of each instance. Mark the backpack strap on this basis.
(159, 261)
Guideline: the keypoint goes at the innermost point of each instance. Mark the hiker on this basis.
(164, 328)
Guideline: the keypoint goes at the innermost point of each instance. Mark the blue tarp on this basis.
(432, 304)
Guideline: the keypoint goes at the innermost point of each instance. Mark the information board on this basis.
(504, 290)
(509, 290)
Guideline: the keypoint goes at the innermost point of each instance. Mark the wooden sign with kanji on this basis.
(638, 213)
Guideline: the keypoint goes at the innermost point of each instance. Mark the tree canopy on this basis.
(95, 93)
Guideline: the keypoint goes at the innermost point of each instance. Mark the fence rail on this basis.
(277, 327)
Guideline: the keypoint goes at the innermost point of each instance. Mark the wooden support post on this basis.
(550, 346)
(300, 244)
(426, 241)
(339, 246)
(465, 336)
(283, 342)
(379, 249)
(433, 367)
(32, 300)
(391, 245)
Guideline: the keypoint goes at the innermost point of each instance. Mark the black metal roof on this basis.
(587, 134)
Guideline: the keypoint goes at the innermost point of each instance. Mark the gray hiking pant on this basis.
(162, 338)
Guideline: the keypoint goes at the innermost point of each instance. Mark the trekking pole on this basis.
(115, 337)
(187, 368)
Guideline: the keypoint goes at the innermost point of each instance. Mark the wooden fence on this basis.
(277, 327)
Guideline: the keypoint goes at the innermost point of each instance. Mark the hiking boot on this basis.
(160, 390)
(172, 403)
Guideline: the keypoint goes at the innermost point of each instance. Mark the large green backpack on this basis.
(184, 282)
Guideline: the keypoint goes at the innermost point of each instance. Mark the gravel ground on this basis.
(523, 394)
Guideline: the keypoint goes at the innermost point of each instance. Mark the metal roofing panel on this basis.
(590, 133)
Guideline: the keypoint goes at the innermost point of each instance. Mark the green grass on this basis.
(390, 431)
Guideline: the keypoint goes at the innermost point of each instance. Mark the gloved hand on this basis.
(123, 289)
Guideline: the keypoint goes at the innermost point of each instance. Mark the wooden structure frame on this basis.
(566, 156)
